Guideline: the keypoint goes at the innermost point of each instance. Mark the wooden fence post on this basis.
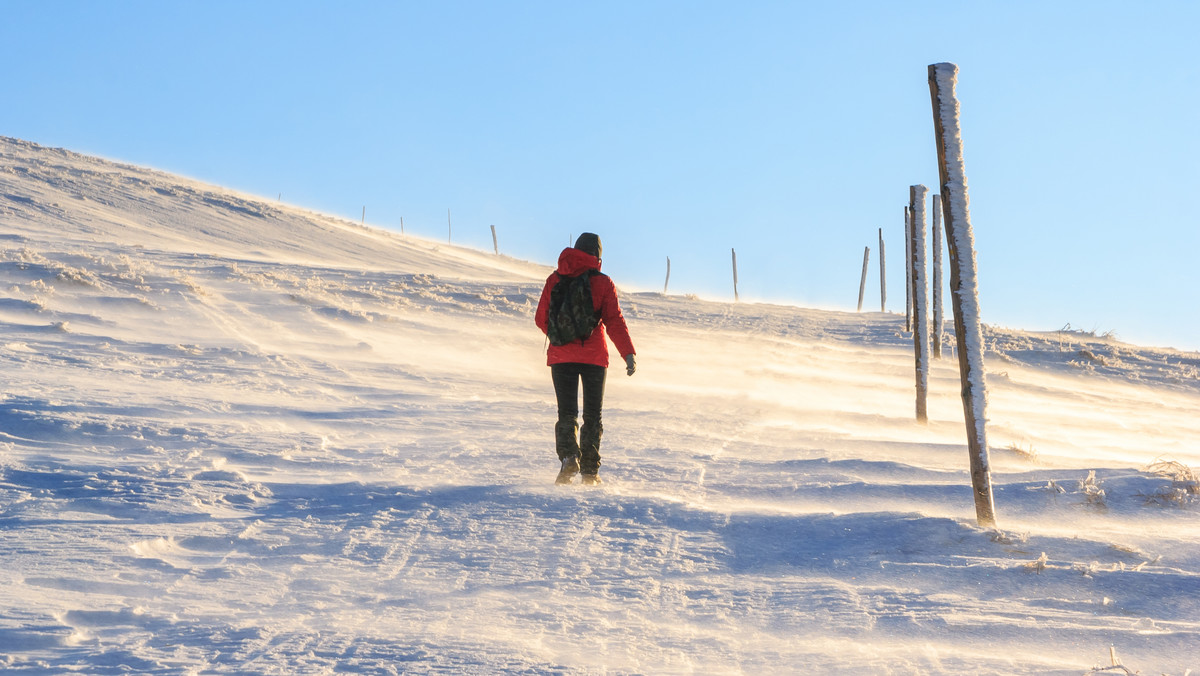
(364, 216)
(495, 243)
(882, 275)
(401, 225)
(449, 230)
(735, 293)
(938, 317)
(920, 295)
(668, 280)
(964, 289)
(907, 270)
(862, 284)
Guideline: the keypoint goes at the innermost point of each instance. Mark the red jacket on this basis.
(594, 350)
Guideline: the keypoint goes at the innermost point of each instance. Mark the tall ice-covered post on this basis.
(938, 317)
(920, 296)
(964, 292)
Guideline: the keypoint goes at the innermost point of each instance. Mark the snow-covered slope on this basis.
(241, 437)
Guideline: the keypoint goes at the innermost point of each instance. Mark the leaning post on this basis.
(495, 242)
(668, 279)
(964, 291)
(920, 296)
(862, 284)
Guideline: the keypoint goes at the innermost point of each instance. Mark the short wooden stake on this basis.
(882, 274)
(668, 280)
(964, 289)
(862, 284)
(920, 296)
(401, 225)
(364, 216)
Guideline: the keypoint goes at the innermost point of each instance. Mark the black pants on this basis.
(566, 388)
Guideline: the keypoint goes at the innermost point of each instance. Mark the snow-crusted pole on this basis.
(964, 292)
(920, 296)
(862, 284)
(938, 321)
(735, 293)
(495, 242)
(668, 279)
(907, 270)
(882, 275)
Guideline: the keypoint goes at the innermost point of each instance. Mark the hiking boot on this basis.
(566, 442)
(570, 467)
(590, 479)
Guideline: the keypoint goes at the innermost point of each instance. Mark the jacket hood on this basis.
(573, 262)
(589, 242)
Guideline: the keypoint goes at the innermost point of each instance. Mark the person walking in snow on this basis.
(584, 359)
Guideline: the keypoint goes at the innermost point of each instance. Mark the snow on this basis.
(240, 437)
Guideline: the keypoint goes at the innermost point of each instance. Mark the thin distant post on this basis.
(449, 229)
(920, 295)
(364, 216)
(495, 242)
(964, 290)
(401, 225)
(735, 291)
(907, 270)
(668, 280)
(938, 318)
(882, 274)
(862, 284)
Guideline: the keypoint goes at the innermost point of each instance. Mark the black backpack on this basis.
(571, 316)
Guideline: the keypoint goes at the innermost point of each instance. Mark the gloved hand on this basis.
(630, 364)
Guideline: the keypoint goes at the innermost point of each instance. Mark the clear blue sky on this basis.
(790, 131)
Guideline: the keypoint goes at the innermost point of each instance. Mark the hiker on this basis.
(584, 359)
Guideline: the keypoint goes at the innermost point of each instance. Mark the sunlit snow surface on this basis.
(241, 437)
